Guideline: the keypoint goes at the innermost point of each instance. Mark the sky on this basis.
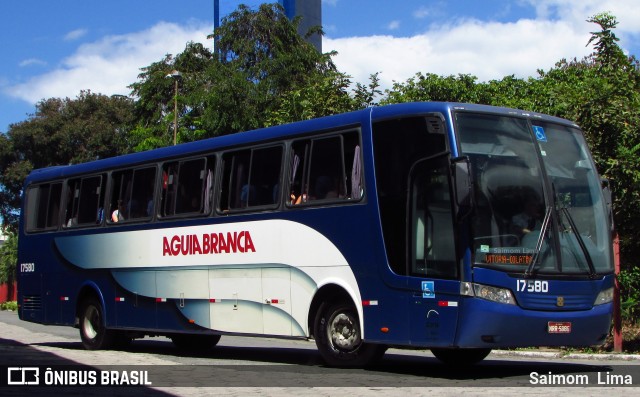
(58, 48)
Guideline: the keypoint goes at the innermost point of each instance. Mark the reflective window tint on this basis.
(83, 205)
(325, 169)
(186, 187)
(43, 206)
(251, 178)
(132, 194)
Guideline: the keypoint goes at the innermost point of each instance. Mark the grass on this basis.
(11, 305)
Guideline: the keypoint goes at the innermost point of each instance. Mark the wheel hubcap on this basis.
(343, 332)
(91, 322)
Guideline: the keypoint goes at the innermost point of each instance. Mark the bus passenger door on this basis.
(433, 273)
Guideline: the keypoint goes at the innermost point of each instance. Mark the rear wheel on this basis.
(337, 334)
(460, 357)
(94, 334)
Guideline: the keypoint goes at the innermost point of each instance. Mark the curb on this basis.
(560, 354)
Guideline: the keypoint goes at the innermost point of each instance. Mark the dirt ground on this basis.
(630, 339)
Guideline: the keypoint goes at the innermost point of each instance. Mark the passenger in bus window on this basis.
(118, 214)
(295, 199)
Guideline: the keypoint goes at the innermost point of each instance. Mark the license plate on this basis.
(555, 327)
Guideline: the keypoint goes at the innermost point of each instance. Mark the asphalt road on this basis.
(265, 366)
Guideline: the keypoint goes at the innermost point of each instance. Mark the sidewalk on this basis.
(19, 345)
(557, 353)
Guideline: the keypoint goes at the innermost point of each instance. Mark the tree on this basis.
(155, 91)
(431, 87)
(9, 260)
(600, 92)
(62, 131)
(261, 66)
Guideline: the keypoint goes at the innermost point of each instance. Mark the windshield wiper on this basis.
(583, 247)
(531, 266)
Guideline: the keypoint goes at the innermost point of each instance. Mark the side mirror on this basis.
(463, 185)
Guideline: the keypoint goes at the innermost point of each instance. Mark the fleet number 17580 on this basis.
(532, 286)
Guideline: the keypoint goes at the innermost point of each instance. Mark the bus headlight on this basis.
(605, 296)
(493, 294)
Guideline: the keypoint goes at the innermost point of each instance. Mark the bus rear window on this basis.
(43, 207)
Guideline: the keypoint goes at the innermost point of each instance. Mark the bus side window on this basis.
(89, 201)
(251, 178)
(235, 180)
(84, 200)
(184, 187)
(72, 200)
(266, 165)
(132, 194)
(297, 168)
(191, 181)
(43, 207)
(121, 185)
(169, 186)
(142, 193)
(207, 193)
(326, 168)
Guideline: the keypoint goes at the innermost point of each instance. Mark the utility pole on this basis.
(176, 76)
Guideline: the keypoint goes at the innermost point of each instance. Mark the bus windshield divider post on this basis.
(543, 230)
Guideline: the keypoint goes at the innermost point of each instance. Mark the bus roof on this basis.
(273, 133)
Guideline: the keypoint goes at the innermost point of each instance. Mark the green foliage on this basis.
(324, 95)
(431, 87)
(265, 74)
(601, 93)
(261, 71)
(11, 306)
(62, 131)
(630, 294)
(9, 259)
(365, 96)
(156, 93)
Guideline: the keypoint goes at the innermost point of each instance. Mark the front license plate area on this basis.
(559, 327)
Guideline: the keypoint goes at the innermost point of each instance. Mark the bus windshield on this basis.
(539, 206)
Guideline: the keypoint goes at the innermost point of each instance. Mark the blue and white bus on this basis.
(454, 227)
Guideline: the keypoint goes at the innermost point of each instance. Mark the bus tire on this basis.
(337, 335)
(94, 334)
(195, 343)
(460, 357)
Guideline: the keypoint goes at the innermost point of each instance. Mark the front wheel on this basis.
(94, 334)
(460, 357)
(337, 334)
